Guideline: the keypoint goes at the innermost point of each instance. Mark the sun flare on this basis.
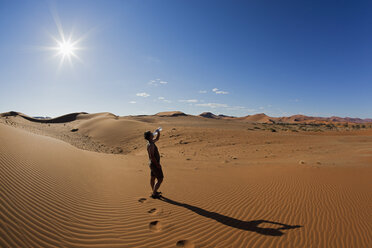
(66, 48)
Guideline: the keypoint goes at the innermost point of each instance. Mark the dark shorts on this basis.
(156, 171)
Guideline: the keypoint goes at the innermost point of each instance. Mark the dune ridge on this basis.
(60, 119)
(263, 118)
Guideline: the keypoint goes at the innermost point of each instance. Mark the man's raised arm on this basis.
(157, 136)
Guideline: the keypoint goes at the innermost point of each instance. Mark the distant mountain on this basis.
(263, 118)
(354, 120)
(213, 116)
(209, 115)
(226, 116)
(171, 113)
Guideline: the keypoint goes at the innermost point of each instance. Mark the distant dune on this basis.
(171, 113)
(82, 180)
(256, 118)
(259, 118)
(263, 118)
(210, 115)
(60, 119)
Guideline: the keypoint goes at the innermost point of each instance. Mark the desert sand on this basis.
(82, 180)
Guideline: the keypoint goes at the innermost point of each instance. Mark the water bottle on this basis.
(157, 130)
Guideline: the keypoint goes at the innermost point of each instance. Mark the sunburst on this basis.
(65, 48)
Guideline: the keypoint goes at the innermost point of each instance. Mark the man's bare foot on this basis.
(155, 196)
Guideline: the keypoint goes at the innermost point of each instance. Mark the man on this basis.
(155, 167)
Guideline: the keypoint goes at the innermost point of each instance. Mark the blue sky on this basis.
(229, 57)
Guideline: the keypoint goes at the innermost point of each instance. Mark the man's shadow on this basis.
(239, 224)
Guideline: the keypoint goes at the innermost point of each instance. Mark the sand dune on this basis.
(260, 118)
(171, 113)
(60, 119)
(227, 184)
(299, 119)
(209, 115)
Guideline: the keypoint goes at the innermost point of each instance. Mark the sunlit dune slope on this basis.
(56, 195)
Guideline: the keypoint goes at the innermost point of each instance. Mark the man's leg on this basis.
(152, 182)
(157, 185)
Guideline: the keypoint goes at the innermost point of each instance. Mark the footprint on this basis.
(142, 200)
(152, 211)
(185, 244)
(155, 226)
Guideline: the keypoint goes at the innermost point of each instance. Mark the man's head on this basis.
(148, 135)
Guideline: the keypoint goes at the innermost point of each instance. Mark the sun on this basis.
(66, 48)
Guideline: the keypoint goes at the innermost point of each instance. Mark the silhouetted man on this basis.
(155, 167)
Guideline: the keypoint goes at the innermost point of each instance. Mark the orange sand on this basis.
(226, 184)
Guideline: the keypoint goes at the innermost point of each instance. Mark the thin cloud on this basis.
(152, 82)
(217, 91)
(238, 107)
(251, 110)
(212, 105)
(132, 102)
(161, 98)
(143, 94)
(202, 91)
(157, 82)
(189, 101)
